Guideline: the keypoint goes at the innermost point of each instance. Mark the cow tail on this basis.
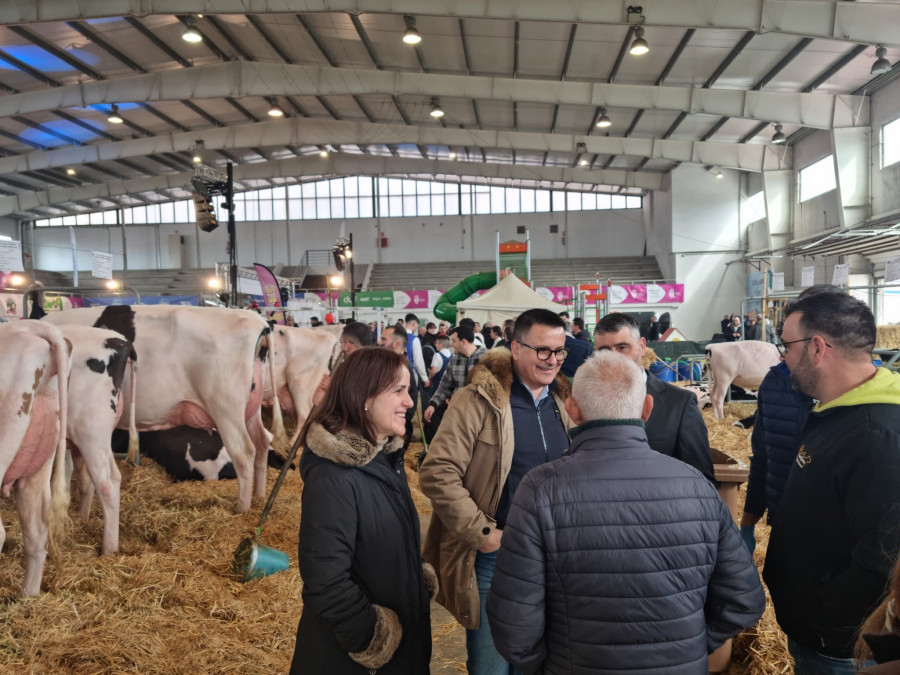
(58, 517)
(133, 445)
(280, 439)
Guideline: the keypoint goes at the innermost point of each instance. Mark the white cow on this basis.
(99, 361)
(301, 360)
(200, 367)
(34, 363)
(744, 363)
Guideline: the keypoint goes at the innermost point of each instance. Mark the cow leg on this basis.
(241, 449)
(717, 397)
(99, 471)
(33, 506)
(83, 482)
(261, 442)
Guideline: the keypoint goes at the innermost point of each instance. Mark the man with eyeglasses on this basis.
(510, 418)
(836, 529)
(675, 427)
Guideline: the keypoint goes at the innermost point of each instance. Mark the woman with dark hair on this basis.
(365, 593)
(880, 633)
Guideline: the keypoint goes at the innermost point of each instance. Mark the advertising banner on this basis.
(270, 291)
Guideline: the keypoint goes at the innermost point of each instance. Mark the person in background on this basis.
(396, 339)
(439, 362)
(355, 335)
(781, 414)
(564, 315)
(676, 427)
(614, 558)
(478, 337)
(578, 330)
(497, 337)
(366, 592)
(725, 323)
(653, 330)
(578, 352)
(466, 355)
(752, 328)
(735, 330)
(509, 419)
(314, 322)
(835, 534)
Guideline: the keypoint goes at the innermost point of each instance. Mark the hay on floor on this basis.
(169, 602)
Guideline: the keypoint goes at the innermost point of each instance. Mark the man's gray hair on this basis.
(609, 386)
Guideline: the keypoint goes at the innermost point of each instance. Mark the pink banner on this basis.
(644, 294)
(271, 292)
(417, 300)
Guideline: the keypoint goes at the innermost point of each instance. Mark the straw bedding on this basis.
(169, 603)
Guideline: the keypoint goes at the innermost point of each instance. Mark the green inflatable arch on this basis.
(445, 308)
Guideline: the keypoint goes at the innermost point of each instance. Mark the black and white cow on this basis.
(200, 367)
(99, 361)
(187, 453)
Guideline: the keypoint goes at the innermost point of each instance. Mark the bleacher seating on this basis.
(443, 275)
(146, 282)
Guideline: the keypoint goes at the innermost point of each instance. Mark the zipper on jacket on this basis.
(543, 437)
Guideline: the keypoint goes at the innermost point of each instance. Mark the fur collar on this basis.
(494, 376)
(346, 447)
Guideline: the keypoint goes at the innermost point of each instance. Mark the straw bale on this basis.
(888, 337)
(169, 603)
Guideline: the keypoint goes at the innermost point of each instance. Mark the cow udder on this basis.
(39, 442)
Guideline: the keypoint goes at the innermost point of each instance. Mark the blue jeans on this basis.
(484, 659)
(810, 662)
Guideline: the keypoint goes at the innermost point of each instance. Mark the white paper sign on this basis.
(11, 256)
(778, 281)
(808, 276)
(841, 274)
(892, 269)
(101, 264)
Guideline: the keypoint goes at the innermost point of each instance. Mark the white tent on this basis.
(506, 300)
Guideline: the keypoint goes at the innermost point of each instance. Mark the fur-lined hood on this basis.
(346, 447)
(494, 376)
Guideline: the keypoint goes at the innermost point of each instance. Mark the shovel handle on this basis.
(278, 482)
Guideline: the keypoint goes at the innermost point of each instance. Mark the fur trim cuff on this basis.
(431, 579)
(384, 641)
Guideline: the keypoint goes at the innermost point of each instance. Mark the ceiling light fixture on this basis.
(881, 65)
(114, 117)
(191, 34)
(603, 121)
(275, 111)
(70, 171)
(719, 174)
(411, 36)
(452, 155)
(436, 110)
(323, 153)
(635, 17)
(197, 151)
(778, 137)
(639, 46)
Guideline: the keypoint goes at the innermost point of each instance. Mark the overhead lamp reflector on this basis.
(881, 65)
(191, 34)
(778, 137)
(436, 109)
(603, 121)
(639, 46)
(114, 117)
(275, 111)
(411, 36)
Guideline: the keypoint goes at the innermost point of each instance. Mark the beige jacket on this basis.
(463, 476)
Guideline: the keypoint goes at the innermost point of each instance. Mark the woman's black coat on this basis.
(359, 547)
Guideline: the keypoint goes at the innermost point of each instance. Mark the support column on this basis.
(777, 194)
(852, 169)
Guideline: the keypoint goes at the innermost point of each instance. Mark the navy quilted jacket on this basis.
(618, 559)
(780, 417)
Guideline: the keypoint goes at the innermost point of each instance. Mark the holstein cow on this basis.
(200, 367)
(187, 453)
(34, 364)
(99, 360)
(744, 363)
(301, 360)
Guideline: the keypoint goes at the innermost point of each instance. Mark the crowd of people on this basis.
(576, 525)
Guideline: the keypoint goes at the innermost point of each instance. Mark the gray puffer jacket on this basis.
(618, 559)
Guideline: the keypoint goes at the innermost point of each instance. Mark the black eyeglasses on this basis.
(783, 346)
(543, 353)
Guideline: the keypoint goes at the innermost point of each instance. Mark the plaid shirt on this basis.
(455, 376)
